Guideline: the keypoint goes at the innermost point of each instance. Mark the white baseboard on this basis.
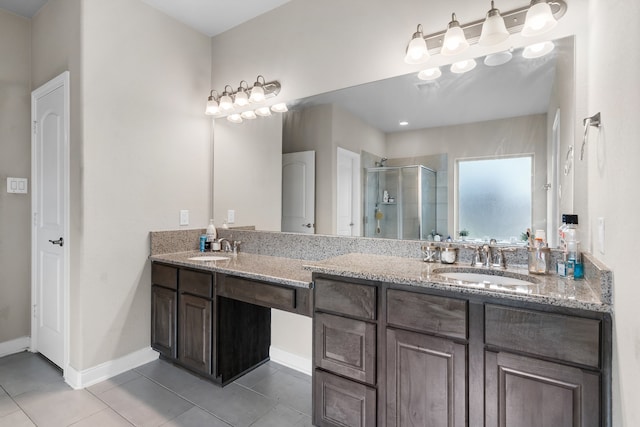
(14, 346)
(290, 360)
(106, 370)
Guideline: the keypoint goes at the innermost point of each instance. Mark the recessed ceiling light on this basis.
(403, 123)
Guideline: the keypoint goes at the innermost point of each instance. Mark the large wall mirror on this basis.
(405, 138)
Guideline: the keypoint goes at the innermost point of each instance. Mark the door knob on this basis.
(60, 242)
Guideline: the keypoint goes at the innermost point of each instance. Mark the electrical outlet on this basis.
(601, 235)
(231, 216)
(184, 217)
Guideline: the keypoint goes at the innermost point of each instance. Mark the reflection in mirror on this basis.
(491, 112)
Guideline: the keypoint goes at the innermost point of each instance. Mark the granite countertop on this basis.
(285, 271)
(548, 289)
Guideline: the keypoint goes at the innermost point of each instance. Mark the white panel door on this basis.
(348, 194)
(50, 177)
(298, 192)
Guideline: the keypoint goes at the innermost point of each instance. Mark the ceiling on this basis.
(519, 88)
(210, 17)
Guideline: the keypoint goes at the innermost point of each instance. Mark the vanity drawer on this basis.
(566, 338)
(258, 293)
(346, 347)
(340, 402)
(164, 275)
(196, 282)
(427, 313)
(350, 299)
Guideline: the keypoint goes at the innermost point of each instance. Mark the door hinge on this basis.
(35, 311)
(35, 127)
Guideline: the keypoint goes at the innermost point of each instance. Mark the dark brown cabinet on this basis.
(527, 392)
(164, 309)
(426, 380)
(442, 358)
(195, 333)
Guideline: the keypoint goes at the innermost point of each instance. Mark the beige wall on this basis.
(613, 154)
(15, 161)
(146, 155)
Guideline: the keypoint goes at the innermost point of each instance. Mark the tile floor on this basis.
(32, 392)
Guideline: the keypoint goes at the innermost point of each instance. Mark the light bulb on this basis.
(463, 66)
(498, 58)
(263, 111)
(537, 50)
(539, 19)
(257, 94)
(226, 104)
(235, 118)
(430, 74)
(417, 52)
(212, 107)
(249, 115)
(279, 108)
(494, 30)
(241, 98)
(455, 41)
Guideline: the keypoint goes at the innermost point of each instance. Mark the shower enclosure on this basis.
(400, 202)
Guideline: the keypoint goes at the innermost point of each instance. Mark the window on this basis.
(495, 197)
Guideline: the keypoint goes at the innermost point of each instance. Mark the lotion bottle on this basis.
(212, 235)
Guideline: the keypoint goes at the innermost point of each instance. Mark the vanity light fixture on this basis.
(257, 93)
(538, 50)
(494, 31)
(461, 67)
(241, 98)
(455, 41)
(430, 74)
(249, 115)
(226, 103)
(234, 103)
(531, 20)
(235, 118)
(539, 19)
(279, 108)
(417, 52)
(212, 104)
(263, 112)
(498, 58)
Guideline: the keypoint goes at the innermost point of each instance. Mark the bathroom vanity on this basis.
(394, 343)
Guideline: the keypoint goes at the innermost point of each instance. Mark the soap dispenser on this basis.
(212, 235)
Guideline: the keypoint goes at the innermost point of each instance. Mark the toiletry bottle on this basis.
(212, 235)
(203, 241)
(578, 267)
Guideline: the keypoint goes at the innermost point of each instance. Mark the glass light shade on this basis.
(498, 58)
(455, 41)
(537, 50)
(212, 107)
(249, 115)
(226, 103)
(539, 19)
(494, 30)
(263, 111)
(417, 52)
(241, 99)
(430, 74)
(257, 94)
(235, 118)
(463, 66)
(279, 108)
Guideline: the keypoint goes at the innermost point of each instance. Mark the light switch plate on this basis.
(184, 217)
(17, 185)
(231, 216)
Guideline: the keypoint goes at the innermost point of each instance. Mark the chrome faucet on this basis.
(486, 250)
(225, 245)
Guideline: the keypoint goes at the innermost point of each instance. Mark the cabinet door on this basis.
(346, 347)
(195, 333)
(163, 321)
(342, 403)
(426, 381)
(527, 392)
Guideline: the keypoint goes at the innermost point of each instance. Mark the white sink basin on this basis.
(208, 258)
(486, 278)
